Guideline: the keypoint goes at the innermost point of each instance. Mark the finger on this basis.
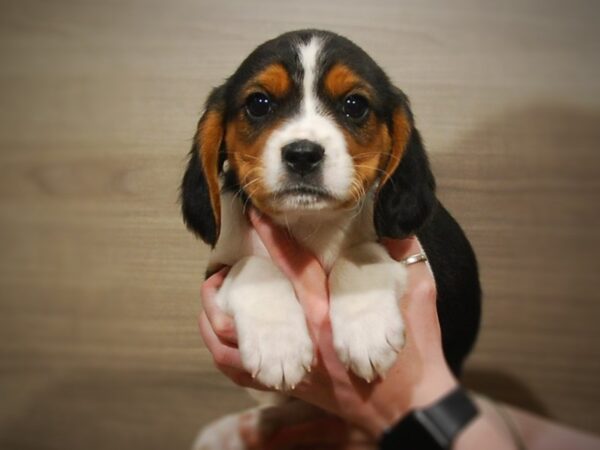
(401, 248)
(221, 323)
(278, 243)
(243, 379)
(421, 285)
(216, 279)
(418, 273)
(289, 256)
(298, 264)
(227, 358)
(223, 355)
(419, 303)
(419, 306)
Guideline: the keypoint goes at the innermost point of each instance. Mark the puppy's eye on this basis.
(258, 105)
(355, 107)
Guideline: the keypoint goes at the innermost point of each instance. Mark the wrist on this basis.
(432, 388)
(435, 426)
(423, 393)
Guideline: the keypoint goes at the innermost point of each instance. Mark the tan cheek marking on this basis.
(340, 80)
(275, 79)
(367, 149)
(244, 155)
(210, 134)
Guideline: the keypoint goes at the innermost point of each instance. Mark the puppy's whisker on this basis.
(250, 157)
(376, 169)
(250, 183)
(390, 155)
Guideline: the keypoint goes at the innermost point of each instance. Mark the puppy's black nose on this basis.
(302, 157)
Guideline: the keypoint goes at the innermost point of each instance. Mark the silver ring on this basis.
(413, 259)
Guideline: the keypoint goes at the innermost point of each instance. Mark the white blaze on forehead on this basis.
(312, 123)
(308, 58)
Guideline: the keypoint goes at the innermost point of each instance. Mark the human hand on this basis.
(419, 376)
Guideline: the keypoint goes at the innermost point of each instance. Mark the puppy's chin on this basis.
(301, 197)
(298, 203)
(302, 202)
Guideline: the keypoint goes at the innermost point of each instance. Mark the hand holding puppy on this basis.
(419, 376)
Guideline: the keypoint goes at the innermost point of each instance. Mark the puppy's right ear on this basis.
(200, 202)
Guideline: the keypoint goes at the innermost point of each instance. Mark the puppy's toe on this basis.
(279, 355)
(368, 344)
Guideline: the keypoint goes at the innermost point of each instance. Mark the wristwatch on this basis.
(433, 427)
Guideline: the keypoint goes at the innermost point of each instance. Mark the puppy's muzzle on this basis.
(302, 157)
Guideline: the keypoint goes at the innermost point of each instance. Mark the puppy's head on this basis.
(309, 123)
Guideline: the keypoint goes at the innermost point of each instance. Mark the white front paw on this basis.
(272, 333)
(277, 354)
(368, 331)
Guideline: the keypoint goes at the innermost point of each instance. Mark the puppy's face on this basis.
(308, 122)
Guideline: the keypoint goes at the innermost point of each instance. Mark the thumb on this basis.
(297, 263)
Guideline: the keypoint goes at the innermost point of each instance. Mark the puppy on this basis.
(310, 131)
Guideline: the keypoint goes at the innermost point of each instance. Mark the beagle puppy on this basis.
(310, 131)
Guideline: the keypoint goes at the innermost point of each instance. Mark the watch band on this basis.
(433, 427)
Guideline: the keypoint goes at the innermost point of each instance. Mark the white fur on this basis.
(310, 123)
(365, 285)
(273, 337)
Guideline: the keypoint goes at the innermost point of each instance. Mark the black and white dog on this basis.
(310, 131)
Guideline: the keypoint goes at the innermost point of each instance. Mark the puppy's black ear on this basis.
(200, 202)
(406, 195)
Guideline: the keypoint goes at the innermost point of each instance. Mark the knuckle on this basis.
(426, 289)
(223, 327)
(220, 358)
(205, 291)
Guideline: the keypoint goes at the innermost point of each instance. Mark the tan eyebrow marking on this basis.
(274, 79)
(341, 80)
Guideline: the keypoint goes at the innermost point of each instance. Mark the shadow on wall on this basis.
(506, 388)
(526, 187)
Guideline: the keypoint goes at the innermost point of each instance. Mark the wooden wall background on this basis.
(99, 281)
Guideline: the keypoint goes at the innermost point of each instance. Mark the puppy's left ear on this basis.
(200, 196)
(406, 195)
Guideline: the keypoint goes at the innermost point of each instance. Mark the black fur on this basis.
(196, 208)
(407, 199)
(195, 201)
(457, 281)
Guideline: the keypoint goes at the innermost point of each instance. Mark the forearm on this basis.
(539, 433)
(505, 427)
(487, 431)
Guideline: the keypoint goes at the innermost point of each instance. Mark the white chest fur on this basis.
(326, 234)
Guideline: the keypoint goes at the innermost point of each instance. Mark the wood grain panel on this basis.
(99, 280)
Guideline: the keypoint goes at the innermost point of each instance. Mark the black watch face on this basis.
(434, 427)
(409, 434)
